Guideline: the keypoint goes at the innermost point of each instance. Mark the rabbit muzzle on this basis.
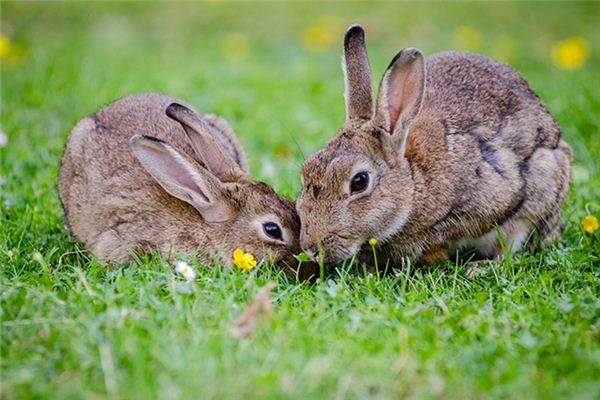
(330, 250)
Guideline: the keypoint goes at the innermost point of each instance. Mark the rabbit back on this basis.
(489, 153)
(108, 198)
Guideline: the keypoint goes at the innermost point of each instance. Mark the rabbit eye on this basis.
(272, 230)
(359, 182)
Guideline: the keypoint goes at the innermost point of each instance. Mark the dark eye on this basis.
(272, 230)
(359, 182)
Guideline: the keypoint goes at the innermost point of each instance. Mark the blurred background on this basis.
(272, 69)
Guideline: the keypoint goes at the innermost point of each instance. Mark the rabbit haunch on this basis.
(457, 144)
(147, 172)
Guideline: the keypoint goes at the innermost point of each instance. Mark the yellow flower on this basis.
(4, 46)
(570, 53)
(324, 32)
(11, 53)
(590, 224)
(243, 260)
(315, 38)
(235, 47)
(467, 38)
(373, 242)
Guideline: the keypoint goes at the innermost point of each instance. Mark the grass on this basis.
(529, 327)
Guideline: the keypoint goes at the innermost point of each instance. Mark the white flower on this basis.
(184, 269)
(3, 139)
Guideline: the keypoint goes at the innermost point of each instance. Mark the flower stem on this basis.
(375, 260)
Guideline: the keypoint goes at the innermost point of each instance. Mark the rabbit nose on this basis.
(312, 254)
(310, 250)
(306, 242)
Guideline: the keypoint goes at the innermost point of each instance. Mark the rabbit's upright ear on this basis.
(180, 178)
(401, 94)
(207, 147)
(358, 93)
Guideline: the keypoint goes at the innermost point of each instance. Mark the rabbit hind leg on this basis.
(514, 233)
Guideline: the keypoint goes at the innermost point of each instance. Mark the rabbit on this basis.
(147, 172)
(457, 154)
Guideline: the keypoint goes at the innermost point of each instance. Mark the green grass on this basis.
(530, 327)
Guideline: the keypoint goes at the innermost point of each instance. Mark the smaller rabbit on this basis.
(148, 172)
(457, 145)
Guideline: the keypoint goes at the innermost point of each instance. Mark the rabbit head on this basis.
(349, 188)
(234, 210)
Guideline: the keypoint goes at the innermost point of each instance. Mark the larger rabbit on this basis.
(149, 173)
(457, 145)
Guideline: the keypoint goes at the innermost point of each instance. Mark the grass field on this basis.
(527, 328)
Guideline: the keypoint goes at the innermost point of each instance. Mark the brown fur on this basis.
(114, 206)
(480, 150)
(359, 93)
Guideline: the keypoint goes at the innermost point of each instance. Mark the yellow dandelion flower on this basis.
(467, 38)
(373, 242)
(315, 38)
(590, 224)
(11, 53)
(235, 47)
(243, 260)
(322, 33)
(4, 46)
(570, 53)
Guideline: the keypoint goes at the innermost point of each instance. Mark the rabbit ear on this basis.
(207, 147)
(180, 178)
(358, 94)
(401, 94)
